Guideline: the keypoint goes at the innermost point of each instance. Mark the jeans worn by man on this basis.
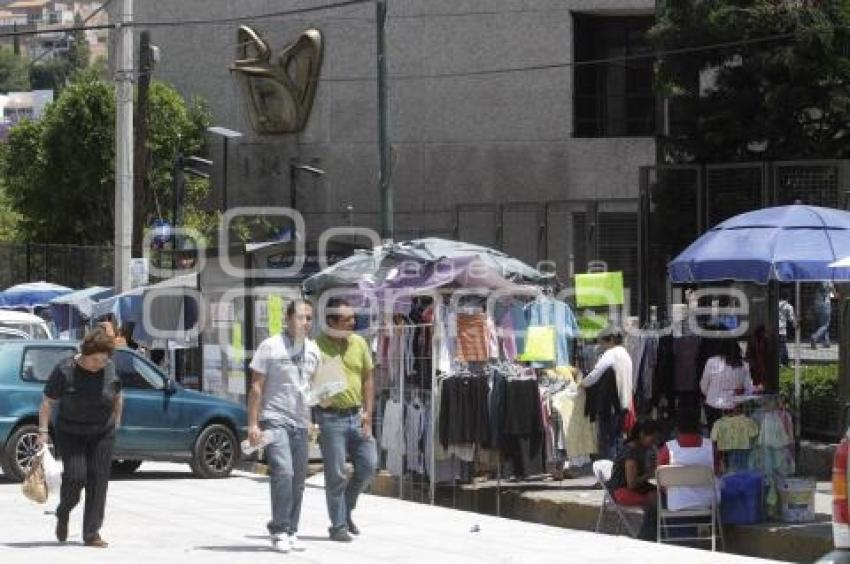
(342, 434)
(345, 420)
(278, 409)
(287, 454)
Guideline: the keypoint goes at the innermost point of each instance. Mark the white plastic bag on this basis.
(328, 381)
(52, 471)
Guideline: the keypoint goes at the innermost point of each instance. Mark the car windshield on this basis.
(34, 330)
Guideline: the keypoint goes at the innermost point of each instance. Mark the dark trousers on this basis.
(87, 463)
(609, 434)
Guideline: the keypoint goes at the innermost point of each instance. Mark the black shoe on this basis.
(352, 528)
(96, 542)
(61, 529)
(340, 535)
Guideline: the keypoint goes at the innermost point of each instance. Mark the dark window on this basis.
(617, 98)
(39, 362)
(135, 373)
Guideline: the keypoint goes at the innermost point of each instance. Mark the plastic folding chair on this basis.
(602, 472)
(694, 518)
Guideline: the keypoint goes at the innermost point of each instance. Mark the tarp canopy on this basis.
(169, 310)
(425, 263)
(31, 294)
(69, 310)
(795, 243)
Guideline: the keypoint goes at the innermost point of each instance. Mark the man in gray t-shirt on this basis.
(281, 370)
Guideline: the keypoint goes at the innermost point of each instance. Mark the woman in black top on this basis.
(89, 397)
(629, 483)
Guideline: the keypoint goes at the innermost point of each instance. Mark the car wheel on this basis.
(215, 452)
(124, 467)
(19, 452)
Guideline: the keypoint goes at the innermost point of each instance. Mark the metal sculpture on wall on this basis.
(280, 89)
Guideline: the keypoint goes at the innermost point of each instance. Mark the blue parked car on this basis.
(162, 420)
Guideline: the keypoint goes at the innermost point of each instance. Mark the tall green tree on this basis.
(79, 53)
(54, 72)
(778, 89)
(58, 173)
(14, 71)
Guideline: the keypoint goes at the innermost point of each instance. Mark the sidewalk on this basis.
(164, 515)
(575, 503)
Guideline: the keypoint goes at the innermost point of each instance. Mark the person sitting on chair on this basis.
(689, 448)
(629, 483)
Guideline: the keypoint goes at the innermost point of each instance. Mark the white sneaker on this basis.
(280, 543)
(295, 544)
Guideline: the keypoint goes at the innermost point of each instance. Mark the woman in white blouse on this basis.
(725, 375)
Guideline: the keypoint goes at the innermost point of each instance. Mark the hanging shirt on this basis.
(414, 431)
(579, 432)
(392, 437)
(686, 374)
(734, 433)
(472, 337)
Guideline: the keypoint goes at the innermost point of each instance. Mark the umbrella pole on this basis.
(797, 384)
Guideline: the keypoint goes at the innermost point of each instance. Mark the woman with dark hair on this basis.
(725, 374)
(89, 397)
(629, 483)
(689, 448)
(609, 389)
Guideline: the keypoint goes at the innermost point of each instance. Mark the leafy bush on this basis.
(818, 382)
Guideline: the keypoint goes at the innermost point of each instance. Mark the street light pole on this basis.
(124, 147)
(294, 168)
(387, 211)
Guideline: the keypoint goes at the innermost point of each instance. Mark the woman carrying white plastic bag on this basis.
(52, 471)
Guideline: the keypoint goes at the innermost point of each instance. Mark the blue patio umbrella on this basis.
(786, 243)
(31, 294)
(796, 243)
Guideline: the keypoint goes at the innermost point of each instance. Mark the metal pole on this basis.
(123, 146)
(177, 181)
(224, 177)
(797, 369)
(140, 197)
(293, 193)
(436, 335)
(403, 433)
(387, 211)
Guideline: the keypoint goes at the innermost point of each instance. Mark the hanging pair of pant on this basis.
(87, 463)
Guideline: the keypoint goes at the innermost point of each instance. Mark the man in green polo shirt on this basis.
(345, 421)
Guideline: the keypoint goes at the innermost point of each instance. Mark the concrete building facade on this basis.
(497, 136)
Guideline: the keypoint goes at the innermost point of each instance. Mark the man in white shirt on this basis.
(278, 408)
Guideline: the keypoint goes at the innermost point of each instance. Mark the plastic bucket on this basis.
(797, 500)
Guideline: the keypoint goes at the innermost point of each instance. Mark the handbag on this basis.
(35, 484)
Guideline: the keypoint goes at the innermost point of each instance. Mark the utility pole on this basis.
(140, 191)
(387, 211)
(123, 145)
